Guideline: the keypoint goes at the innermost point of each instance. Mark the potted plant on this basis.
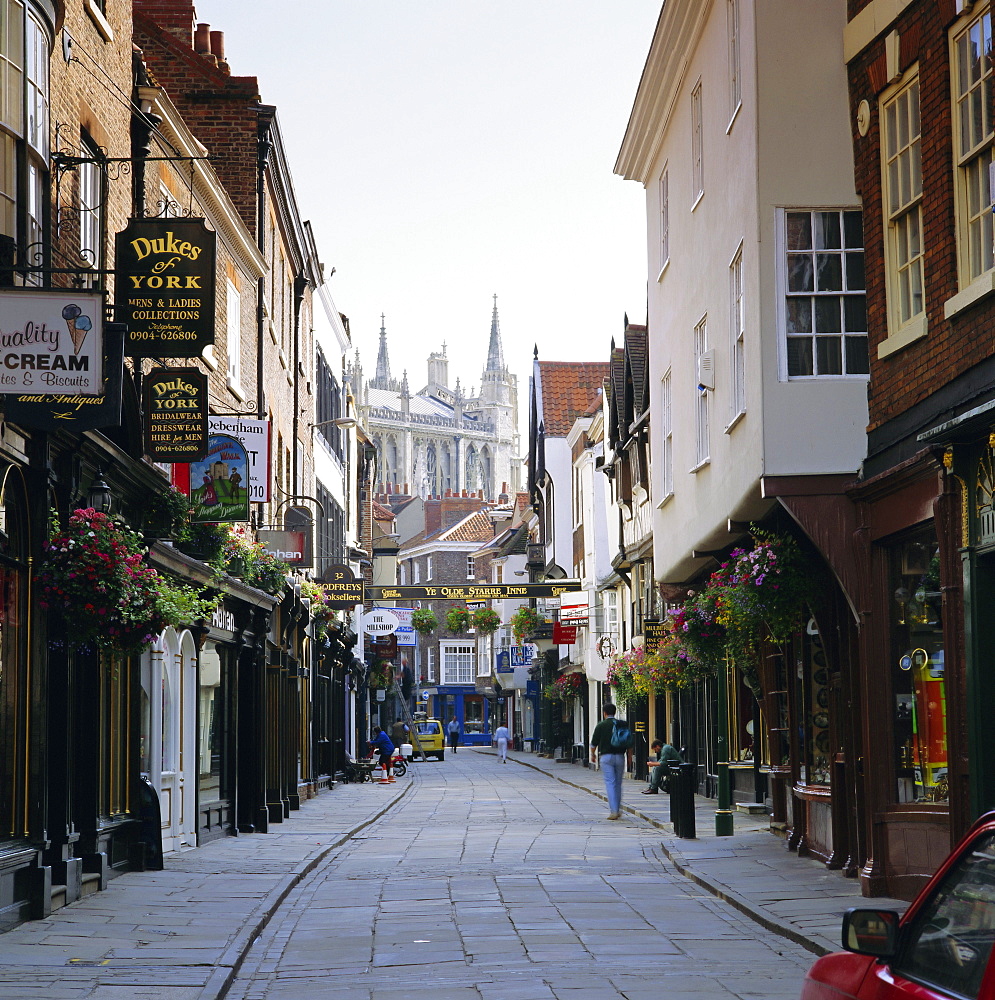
(524, 622)
(458, 619)
(423, 621)
(486, 621)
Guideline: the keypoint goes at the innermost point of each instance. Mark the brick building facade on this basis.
(921, 106)
(127, 111)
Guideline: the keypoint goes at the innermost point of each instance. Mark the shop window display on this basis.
(917, 672)
(813, 693)
(473, 714)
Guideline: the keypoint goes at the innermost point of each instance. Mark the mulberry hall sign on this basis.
(51, 343)
(165, 287)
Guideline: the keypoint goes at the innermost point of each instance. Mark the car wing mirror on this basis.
(871, 932)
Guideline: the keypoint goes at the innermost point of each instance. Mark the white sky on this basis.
(447, 150)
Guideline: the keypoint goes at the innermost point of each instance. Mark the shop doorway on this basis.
(169, 730)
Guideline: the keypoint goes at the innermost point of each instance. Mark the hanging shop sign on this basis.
(405, 631)
(255, 435)
(174, 402)
(216, 483)
(573, 607)
(473, 592)
(379, 621)
(165, 286)
(522, 656)
(51, 343)
(342, 590)
(653, 632)
(291, 547)
(564, 634)
(49, 412)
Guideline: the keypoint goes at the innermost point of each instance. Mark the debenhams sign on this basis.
(51, 343)
(165, 284)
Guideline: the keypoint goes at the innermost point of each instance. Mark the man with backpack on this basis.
(611, 739)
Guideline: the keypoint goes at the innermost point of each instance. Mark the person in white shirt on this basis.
(501, 735)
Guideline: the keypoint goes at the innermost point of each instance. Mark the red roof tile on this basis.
(477, 527)
(380, 512)
(568, 390)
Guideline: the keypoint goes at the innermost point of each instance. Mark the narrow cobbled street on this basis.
(499, 882)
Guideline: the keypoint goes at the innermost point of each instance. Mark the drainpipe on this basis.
(300, 286)
(263, 148)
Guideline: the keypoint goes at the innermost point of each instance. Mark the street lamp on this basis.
(341, 422)
(99, 496)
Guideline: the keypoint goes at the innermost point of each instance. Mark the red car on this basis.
(941, 948)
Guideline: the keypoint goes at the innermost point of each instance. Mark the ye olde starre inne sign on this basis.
(165, 287)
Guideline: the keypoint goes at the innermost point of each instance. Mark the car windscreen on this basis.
(948, 941)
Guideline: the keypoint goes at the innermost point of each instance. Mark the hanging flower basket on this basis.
(253, 564)
(566, 687)
(382, 675)
(458, 619)
(635, 675)
(321, 614)
(486, 621)
(757, 593)
(94, 572)
(423, 621)
(524, 622)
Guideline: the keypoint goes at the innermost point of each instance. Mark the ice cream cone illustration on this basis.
(78, 325)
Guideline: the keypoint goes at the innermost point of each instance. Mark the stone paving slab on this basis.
(752, 870)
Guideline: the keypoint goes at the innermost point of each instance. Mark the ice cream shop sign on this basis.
(51, 343)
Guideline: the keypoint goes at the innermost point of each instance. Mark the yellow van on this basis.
(431, 737)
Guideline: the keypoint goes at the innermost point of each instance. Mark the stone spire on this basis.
(495, 355)
(382, 378)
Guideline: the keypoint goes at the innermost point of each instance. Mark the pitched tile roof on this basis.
(568, 388)
(380, 512)
(475, 527)
(636, 348)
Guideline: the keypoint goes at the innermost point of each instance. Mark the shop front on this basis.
(912, 681)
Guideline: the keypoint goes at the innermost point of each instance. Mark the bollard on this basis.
(682, 779)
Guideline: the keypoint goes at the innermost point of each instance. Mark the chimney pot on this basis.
(218, 44)
(202, 39)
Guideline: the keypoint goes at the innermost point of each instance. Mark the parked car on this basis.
(431, 738)
(941, 947)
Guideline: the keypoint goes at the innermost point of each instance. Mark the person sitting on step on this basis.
(660, 777)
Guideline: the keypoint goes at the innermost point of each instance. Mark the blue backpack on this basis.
(621, 738)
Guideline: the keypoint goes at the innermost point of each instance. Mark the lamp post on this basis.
(723, 814)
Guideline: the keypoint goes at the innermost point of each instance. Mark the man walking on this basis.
(453, 730)
(501, 736)
(612, 759)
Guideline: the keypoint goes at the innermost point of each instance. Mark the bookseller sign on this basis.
(51, 343)
(165, 284)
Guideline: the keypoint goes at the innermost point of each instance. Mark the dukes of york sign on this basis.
(165, 287)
